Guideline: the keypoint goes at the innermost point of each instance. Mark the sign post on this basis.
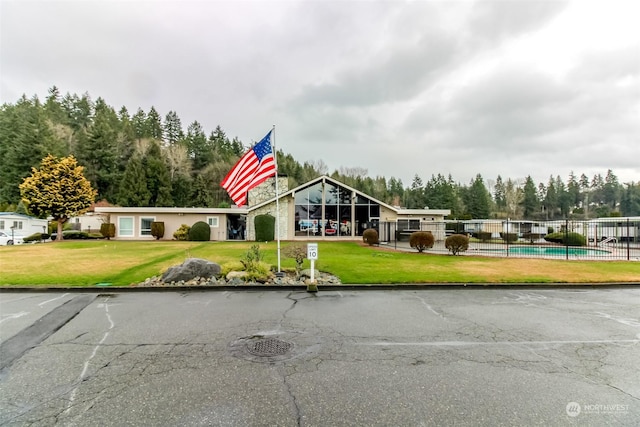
(312, 255)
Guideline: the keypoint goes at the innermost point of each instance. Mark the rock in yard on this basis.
(190, 269)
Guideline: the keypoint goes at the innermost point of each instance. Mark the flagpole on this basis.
(275, 157)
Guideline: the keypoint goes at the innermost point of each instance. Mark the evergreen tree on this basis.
(477, 199)
(201, 192)
(630, 202)
(153, 125)
(24, 134)
(158, 177)
(133, 186)
(564, 198)
(551, 200)
(198, 146)
(573, 190)
(53, 107)
(98, 153)
(58, 189)
(139, 121)
(172, 128)
(499, 195)
(415, 195)
(611, 190)
(530, 203)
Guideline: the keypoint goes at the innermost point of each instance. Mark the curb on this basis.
(358, 287)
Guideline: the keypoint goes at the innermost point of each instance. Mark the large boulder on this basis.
(190, 269)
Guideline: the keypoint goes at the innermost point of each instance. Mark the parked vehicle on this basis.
(8, 239)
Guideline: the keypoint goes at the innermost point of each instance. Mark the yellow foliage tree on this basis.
(58, 189)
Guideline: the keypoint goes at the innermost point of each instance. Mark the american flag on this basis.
(253, 168)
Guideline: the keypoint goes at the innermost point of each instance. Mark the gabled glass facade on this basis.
(328, 209)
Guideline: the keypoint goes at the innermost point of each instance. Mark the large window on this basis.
(125, 226)
(327, 209)
(145, 225)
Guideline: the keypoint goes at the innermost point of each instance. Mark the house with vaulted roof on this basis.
(323, 208)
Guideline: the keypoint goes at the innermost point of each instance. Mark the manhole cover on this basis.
(269, 347)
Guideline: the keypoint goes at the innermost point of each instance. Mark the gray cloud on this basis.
(395, 87)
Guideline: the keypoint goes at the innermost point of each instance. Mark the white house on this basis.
(23, 225)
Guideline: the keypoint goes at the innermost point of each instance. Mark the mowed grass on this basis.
(121, 263)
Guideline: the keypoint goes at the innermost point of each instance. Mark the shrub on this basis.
(36, 237)
(200, 232)
(532, 237)
(509, 237)
(575, 239)
(421, 240)
(298, 252)
(72, 235)
(231, 266)
(157, 230)
(108, 230)
(257, 270)
(265, 228)
(484, 236)
(182, 233)
(370, 236)
(260, 272)
(568, 239)
(457, 243)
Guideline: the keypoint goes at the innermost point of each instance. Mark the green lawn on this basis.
(87, 263)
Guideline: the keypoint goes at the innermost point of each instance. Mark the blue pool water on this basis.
(555, 250)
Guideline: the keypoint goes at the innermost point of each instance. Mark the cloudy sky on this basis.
(509, 87)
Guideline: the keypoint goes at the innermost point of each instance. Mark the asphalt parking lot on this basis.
(503, 356)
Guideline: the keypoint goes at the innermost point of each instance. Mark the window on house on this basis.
(145, 226)
(408, 224)
(213, 221)
(17, 225)
(2, 225)
(125, 226)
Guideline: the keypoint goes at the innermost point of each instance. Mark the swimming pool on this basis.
(555, 250)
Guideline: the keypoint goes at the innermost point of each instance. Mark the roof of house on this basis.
(244, 210)
(325, 178)
(16, 215)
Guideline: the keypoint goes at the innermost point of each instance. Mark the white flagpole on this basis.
(275, 157)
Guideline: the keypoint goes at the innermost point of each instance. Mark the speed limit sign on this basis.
(312, 251)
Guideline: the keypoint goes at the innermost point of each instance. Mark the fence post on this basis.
(628, 240)
(507, 236)
(566, 237)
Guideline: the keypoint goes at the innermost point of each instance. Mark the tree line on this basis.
(145, 159)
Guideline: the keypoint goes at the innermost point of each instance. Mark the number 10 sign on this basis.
(312, 251)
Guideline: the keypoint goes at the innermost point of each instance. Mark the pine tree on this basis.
(499, 194)
(530, 202)
(98, 153)
(58, 189)
(158, 178)
(24, 134)
(153, 125)
(172, 128)
(478, 199)
(133, 186)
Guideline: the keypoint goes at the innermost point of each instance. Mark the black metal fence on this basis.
(606, 239)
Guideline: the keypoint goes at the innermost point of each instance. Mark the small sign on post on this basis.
(312, 255)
